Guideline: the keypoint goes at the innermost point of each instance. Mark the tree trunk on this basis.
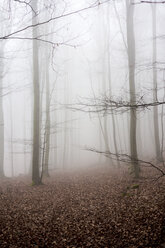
(1, 115)
(36, 104)
(11, 141)
(132, 90)
(114, 120)
(66, 143)
(162, 128)
(155, 97)
(47, 125)
(1, 134)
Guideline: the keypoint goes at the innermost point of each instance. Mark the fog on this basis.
(82, 123)
(82, 57)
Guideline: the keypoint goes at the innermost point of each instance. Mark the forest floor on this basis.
(88, 208)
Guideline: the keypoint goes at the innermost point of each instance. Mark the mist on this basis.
(82, 96)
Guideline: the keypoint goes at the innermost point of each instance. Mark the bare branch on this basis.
(125, 158)
(43, 40)
(107, 105)
(27, 4)
(155, 2)
(96, 4)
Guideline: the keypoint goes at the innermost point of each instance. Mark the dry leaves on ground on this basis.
(93, 208)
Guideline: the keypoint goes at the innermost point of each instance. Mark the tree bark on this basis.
(132, 89)
(47, 125)
(36, 104)
(2, 174)
(155, 86)
(1, 134)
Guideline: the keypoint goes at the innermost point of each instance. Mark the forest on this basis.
(82, 123)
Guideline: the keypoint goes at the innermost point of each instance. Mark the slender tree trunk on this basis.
(1, 115)
(126, 49)
(1, 134)
(55, 139)
(110, 89)
(104, 123)
(66, 145)
(11, 132)
(132, 90)
(105, 119)
(36, 105)
(162, 129)
(25, 138)
(155, 86)
(47, 125)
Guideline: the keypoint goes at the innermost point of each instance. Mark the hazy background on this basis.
(90, 52)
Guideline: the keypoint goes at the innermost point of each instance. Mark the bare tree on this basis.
(132, 90)
(1, 115)
(47, 121)
(36, 102)
(114, 118)
(155, 86)
(3, 20)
